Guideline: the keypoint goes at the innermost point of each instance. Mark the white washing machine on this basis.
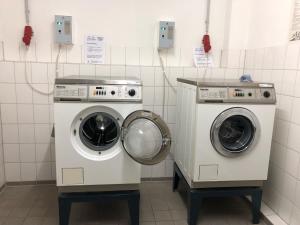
(224, 132)
(103, 135)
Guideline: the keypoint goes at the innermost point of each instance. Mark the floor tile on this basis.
(5, 211)
(19, 212)
(179, 214)
(50, 221)
(37, 205)
(162, 215)
(13, 221)
(33, 221)
(37, 211)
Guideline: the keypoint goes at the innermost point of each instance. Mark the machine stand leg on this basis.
(194, 204)
(176, 178)
(134, 210)
(256, 204)
(64, 210)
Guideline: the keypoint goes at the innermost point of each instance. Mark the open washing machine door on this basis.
(146, 137)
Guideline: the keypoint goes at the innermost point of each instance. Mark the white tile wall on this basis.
(281, 66)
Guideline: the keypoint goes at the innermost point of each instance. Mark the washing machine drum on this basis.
(99, 131)
(235, 131)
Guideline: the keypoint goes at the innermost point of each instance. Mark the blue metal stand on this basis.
(65, 201)
(196, 195)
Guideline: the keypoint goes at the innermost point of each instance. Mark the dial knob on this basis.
(266, 94)
(131, 92)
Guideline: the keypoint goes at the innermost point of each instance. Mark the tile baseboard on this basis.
(19, 183)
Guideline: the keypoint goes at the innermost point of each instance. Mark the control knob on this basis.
(131, 92)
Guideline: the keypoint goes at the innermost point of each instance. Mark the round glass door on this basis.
(234, 131)
(145, 137)
(99, 131)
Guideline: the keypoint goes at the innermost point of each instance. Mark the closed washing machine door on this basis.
(145, 137)
(234, 132)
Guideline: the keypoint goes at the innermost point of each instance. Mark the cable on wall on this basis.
(165, 78)
(27, 75)
(28, 33)
(206, 37)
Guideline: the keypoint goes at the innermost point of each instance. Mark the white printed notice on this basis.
(94, 49)
(201, 59)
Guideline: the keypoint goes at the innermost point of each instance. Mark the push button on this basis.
(266, 94)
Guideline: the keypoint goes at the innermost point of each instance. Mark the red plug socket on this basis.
(28, 33)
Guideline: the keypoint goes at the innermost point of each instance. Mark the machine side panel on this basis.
(185, 111)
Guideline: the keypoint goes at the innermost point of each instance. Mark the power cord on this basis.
(165, 78)
(56, 73)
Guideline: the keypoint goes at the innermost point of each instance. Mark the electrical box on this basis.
(63, 30)
(166, 34)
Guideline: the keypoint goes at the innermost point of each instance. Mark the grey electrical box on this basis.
(166, 34)
(63, 30)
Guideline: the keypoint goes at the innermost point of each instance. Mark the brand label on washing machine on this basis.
(70, 91)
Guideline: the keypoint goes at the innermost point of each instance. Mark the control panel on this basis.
(98, 93)
(242, 93)
(70, 92)
(236, 94)
(115, 92)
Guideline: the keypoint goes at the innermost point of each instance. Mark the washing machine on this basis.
(103, 135)
(224, 132)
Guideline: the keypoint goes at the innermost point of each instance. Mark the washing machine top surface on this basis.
(76, 79)
(200, 82)
(97, 89)
(232, 91)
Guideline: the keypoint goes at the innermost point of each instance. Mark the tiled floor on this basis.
(37, 205)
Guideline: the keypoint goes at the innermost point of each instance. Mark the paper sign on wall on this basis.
(94, 49)
(201, 59)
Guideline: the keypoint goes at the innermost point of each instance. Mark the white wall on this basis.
(238, 23)
(259, 23)
(270, 23)
(131, 24)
